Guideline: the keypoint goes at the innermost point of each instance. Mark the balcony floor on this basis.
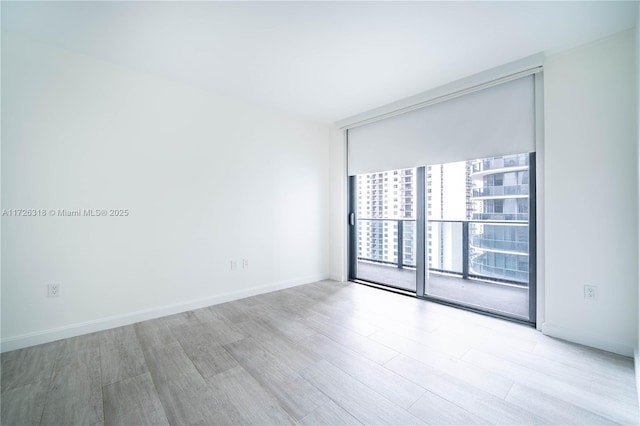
(513, 301)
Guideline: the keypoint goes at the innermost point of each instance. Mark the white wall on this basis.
(206, 180)
(591, 194)
(338, 206)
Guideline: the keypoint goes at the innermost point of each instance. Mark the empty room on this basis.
(320, 213)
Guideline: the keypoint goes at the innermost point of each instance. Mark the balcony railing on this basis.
(495, 191)
(501, 217)
(481, 242)
(495, 163)
(399, 251)
(490, 250)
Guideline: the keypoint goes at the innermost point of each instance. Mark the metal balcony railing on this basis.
(500, 217)
(500, 163)
(468, 245)
(480, 241)
(399, 240)
(496, 191)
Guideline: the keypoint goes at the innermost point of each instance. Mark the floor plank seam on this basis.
(259, 380)
(509, 391)
(364, 384)
(337, 402)
(417, 399)
(50, 384)
(153, 379)
(394, 357)
(104, 420)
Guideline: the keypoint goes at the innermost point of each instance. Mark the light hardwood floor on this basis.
(322, 353)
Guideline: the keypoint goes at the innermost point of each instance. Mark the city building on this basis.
(447, 202)
(500, 194)
(386, 208)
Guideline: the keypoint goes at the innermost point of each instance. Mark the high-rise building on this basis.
(500, 194)
(386, 208)
(448, 189)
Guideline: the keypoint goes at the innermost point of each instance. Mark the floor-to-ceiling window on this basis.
(478, 234)
(443, 198)
(476, 250)
(386, 228)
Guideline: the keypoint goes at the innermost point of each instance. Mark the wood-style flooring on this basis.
(323, 353)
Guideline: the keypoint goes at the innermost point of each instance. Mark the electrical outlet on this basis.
(53, 290)
(590, 292)
(234, 265)
(245, 263)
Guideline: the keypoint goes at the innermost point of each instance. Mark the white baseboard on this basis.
(595, 341)
(72, 330)
(336, 278)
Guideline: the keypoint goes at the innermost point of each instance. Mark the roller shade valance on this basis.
(498, 120)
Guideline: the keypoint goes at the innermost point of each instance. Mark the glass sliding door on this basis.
(464, 232)
(479, 235)
(461, 233)
(384, 228)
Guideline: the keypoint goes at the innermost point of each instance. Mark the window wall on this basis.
(473, 218)
(386, 231)
(476, 225)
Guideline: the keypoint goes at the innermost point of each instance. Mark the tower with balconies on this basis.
(385, 206)
(499, 230)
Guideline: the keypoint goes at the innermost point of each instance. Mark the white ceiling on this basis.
(320, 60)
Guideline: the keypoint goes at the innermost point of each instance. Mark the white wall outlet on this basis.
(53, 290)
(590, 292)
(234, 265)
(245, 263)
